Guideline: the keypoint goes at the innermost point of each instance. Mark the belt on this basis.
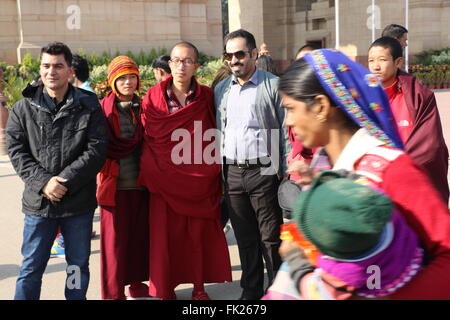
(249, 163)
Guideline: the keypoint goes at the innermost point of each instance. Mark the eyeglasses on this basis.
(186, 62)
(238, 54)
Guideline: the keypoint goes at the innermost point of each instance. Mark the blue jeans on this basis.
(38, 236)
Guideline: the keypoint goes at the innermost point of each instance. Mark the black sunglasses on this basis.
(238, 54)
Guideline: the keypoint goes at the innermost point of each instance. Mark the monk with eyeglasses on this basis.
(187, 243)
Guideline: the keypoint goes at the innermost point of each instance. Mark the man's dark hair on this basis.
(163, 63)
(57, 48)
(389, 43)
(81, 67)
(308, 46)
(241, 33)
(394, 31)
(187, 44)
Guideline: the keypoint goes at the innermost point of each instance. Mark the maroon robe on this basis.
(187, 243)
(426, 144)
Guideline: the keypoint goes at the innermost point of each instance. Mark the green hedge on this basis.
(432, 68)
(433, 57)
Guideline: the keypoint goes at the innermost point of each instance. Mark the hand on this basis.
(303, 169)
(54, 190)
(299, 265)
(287, 246)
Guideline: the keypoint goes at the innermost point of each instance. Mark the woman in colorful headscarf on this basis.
(123, 204)
(335, 103)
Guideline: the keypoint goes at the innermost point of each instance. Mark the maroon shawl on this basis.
(189, 189)
(118, 148)
(426, 144)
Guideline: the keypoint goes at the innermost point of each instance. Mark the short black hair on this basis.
(241, 33)
(81, 67)
(57, 48)
(163, 63)
(188, 45)
(308, 46)
(395, 31)
(389, 43)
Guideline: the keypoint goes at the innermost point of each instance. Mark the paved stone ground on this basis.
(11, 226)
(443, 101)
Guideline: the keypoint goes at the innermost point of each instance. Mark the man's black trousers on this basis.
(256, 218)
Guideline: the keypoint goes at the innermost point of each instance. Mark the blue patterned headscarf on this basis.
(357, 92)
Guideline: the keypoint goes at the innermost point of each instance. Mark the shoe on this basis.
(57, 251)
(138, 291)
(200, 295)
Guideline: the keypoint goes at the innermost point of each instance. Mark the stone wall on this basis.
(284, 29)
(109, 25)
(9, 31)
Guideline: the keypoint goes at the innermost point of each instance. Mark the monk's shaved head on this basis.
(189, 45)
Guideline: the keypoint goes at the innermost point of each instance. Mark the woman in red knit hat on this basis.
(123, 204)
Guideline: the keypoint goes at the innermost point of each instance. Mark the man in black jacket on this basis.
(56, 139)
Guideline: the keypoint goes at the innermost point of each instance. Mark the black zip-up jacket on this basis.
(70, 143)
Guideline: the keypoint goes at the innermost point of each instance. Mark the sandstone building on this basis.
(286, 25)
(108, 25)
